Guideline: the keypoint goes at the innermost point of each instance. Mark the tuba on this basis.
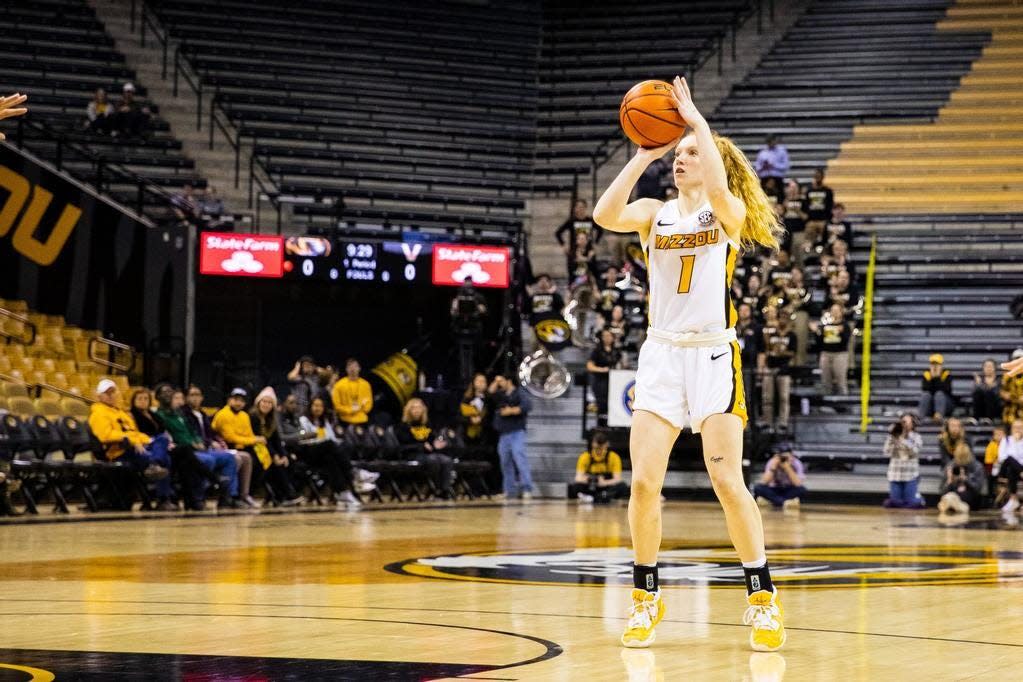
(540, 373)
(581, 315)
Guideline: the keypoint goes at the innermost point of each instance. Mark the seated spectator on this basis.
(987, 388)
(200, 423)
(963, 487)
(545, 302)
(834, 333)
(263, 421)
(234, 425)
(99, 113)
(604, 357)
(951, 437)
(776, 377)
(307, 381)
(579, 223)
(320, 422)
(991, 451)
(902, 447)
(772, 160)
(185, 206)
(782, 484)
(211, 208)
(122, 442)
(582, 259)
(422, 443)
(352, 395)
(130, 119)
(142, 412)
(837, 228)
(318, 447)
(1012, 393)
(936, 399)
(598, 473)
(1008, 469)
(218, 466)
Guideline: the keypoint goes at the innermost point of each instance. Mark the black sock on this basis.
(645, 577)
(758, 579)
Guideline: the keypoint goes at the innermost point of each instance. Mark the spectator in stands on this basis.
(610, 294)
(963, 486)
(1012, 393)
(837, 228)
(582, 259)
(772, 160)
(834, 333)
(142, 412)
(544, 300)
(781, 486)
(841, 291)
(951, 437)
(902, 447)
(598, 473)
(794, 217)
(752, 352)
(423, 443)
(775, 194)
(211, 208)
(131, 119)
(753, 295)
(218, 466)
(1008, 469)
(618, 326)
(820, 200)
(202, 426)
(836, 260)
(234, 426)
(263, 422)
(352, 395)
(99, 113)
(795, 304)
(122, 442)
(991, 451)
(651, 183)
(511, 407)
(603, 359)
(776, 378)
(185, 205)
(307, 381)
(580, 222)
(987, 399)
(936, 399)
(317, 448)
(319, 421)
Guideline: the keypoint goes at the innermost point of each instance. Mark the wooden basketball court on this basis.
(517, 592)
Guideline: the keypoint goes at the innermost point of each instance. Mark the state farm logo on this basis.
(484, 266)
(241, 255)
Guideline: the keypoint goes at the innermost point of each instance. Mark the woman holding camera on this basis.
(964, 482)
(902, 447)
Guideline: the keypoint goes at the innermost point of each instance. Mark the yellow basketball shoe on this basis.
(646, 612)
(766, 616)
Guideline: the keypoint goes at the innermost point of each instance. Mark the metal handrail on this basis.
(111, 345)
(17, 317)
(62, 392)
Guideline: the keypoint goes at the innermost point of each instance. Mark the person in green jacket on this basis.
(221, 462)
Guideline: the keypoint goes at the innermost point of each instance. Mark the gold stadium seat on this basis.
(5, 364)
(48, 407)
(21, 406)
(78, 409)
(66, 366)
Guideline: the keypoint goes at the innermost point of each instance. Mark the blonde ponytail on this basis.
(762, 227)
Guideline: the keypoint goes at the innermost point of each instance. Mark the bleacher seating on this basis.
(406, 113)
(57, 52)
(846, 63)
(584, 74)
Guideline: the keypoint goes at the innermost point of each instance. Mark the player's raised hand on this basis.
(9, 108)
(686, 107)
(651, 154)
(1013, 367)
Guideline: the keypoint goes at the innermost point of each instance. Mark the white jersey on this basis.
(690, 260)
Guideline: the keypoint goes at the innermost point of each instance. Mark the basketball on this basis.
(649, 116)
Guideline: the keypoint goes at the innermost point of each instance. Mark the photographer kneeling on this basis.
(782, 482)
(964, 482)
(902, 447)
(598, 473)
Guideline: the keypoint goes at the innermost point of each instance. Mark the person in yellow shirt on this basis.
(352, 395)
(598, 473)
(232, 423)
(122, 442)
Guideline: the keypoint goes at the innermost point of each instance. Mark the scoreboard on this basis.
(411, 261)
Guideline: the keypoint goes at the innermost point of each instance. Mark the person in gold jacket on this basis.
(352, 395)
(122, 441)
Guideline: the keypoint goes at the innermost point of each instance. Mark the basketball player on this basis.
(689, 369)
(9, 108)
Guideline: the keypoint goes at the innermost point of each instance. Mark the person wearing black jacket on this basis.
(579, 223)
(264, 423)
(141, 411)
(422, 443)
(201, 424)
(511, 408)
(603, 359)
(751, 350)
(319, 453)
(780, 348)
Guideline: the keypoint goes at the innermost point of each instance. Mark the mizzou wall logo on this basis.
(810, 566)
(35, 200)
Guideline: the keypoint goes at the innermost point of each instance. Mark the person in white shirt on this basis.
(1008, 468)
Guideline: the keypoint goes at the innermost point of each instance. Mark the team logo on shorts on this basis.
(810, 566)
(705, 218)
(629, 396)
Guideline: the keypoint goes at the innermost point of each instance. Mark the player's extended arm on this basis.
(728, 207)
(9, 108)
(613, 210)
(1013, 367)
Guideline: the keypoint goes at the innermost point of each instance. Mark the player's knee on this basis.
(644, 488)
(728, 488)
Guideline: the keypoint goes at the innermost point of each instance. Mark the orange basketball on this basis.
(649, 116)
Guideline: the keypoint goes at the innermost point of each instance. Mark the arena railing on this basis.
(27, 325)
(112, 348)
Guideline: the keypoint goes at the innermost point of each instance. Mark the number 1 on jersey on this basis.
(685, 278)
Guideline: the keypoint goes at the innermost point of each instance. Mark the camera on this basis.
(896, 429)
(957, 471)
